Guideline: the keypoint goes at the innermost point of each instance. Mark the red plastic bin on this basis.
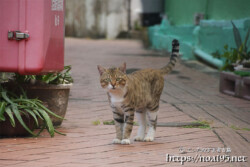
(31, 36)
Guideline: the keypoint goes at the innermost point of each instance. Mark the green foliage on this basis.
(97, 122)
(113, 122)
(109, 122)
(5, 76)
(137, 26)
(230, 57)
(216, 54)
(242, 73)
(62, 77)
(241, 46)
(237, 37)
(237, 128)
(235, 55)
(199, 124)
(14, 105)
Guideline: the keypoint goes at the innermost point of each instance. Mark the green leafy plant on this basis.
(63, 77)
(237, 55)
(5, 76)
(14, 105)
(230, 56)
(242, 73)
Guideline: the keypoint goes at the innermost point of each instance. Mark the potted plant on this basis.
(234, 78)
(19, 114)
(52, 89)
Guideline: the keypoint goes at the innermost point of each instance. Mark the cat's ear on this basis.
(101, 69)
(123, 68)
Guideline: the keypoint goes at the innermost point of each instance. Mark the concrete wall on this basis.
(182, 12)
(136, 10)
(213, 33)
(95, 18)
(105, 18)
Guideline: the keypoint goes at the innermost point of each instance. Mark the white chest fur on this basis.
(116, 98)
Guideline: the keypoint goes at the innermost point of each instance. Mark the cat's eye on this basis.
(118, 79)
(107, 80)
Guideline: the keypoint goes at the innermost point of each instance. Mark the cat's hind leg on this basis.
(141, 117)
(152, 122)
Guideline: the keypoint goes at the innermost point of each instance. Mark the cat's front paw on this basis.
(148, 139)
(116, 141)
(125, 141)
(138, 138)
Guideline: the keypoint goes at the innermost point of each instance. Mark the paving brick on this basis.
(189, 95)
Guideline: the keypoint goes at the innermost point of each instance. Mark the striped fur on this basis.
(173, 59)
(137, 92)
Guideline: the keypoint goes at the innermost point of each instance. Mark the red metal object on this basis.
(31, 36)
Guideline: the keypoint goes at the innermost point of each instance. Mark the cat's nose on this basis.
(113, 84)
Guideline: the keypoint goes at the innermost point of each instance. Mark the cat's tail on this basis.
(173, 59)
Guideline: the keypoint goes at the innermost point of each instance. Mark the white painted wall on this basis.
(136, 10)
(95, 18)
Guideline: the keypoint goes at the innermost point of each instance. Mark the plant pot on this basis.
(7, 130)
(235, 85)
(54, 97)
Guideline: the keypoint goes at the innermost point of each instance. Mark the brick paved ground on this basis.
(189, 95)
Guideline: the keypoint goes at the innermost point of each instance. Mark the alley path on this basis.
(189, 95)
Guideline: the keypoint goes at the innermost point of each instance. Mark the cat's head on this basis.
(113, 78)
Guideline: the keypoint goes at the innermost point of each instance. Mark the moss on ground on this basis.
(199, 124)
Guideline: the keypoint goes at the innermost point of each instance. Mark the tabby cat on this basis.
(137, 93)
